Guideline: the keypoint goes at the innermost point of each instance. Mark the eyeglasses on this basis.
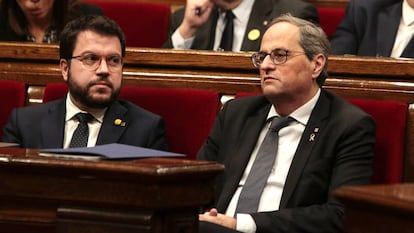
(278, 56)
(92, 61)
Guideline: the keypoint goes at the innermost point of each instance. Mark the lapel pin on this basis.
(119, 122)
(254, 34)
(313, 135)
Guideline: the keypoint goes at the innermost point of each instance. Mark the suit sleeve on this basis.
(345, 39)
(10, 130)
(352, 162)
(175, 21)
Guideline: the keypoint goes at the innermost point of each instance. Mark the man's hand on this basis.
(214, 217)
(196, 14)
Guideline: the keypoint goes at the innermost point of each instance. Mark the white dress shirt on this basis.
(289, 138)
(242, 15)
(71, 123)
(405, 30)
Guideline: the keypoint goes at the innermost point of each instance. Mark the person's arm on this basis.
(10, 130)
(345, 39)
(186, 21)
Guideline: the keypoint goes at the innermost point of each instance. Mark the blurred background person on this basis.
(382, 28)
(39, 21)
(202, 23)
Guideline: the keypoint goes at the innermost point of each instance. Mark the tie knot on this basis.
(280, 122)
(229, 15)
(83, 117)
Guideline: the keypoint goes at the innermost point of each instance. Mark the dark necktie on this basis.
(262, 166)
(81, 134)
(409, 49)
(227, 37)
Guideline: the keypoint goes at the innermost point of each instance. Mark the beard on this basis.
(83, 95)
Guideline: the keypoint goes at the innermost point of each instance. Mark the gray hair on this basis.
(312, 39)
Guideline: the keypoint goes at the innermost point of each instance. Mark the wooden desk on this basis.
(378, 208)
(39, 194)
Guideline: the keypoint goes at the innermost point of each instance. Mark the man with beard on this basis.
(91, 54)
(202, 23)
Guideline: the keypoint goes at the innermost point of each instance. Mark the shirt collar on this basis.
(241, 11)
(72, 110)
(407, 14)
(301, 114)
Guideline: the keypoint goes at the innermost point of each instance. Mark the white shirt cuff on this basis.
(245, 223)
(179, 42)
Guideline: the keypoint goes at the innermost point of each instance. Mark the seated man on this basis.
(203, 24)
(281, 179)
(91, 54)
(382, 28)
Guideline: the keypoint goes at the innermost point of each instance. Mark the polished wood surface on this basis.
(43, 194)
(378, 208)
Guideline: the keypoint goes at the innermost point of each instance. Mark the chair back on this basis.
(145, 24)
(12, 95)
(188, 114)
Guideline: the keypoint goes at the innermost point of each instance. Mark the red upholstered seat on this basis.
(145, 24)
(329, 18)
(12, 95)
(390, 118)
(188, 113)
(54, 91)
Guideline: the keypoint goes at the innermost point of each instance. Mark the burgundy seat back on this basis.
(329, 18)
(188, 114)
(12, 95)
(145, 24)
(390, 118)
(54, 91)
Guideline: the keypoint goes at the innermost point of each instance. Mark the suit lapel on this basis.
(110, 131)
(242, 151)
(52, 126)
(388, 23)
(258, 20)
(316, 123)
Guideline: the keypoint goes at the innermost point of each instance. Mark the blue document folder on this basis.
(108, 151)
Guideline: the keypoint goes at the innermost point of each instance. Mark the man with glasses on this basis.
(322, 143)
(91, 54)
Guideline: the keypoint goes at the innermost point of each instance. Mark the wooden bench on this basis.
(226, 73)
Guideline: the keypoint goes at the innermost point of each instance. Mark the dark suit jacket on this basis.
(369, 28)
(262, 13)
(7, 34)
(42, 126)
(340, 154)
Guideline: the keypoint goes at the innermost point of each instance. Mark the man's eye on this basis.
(115, 60)
(91, 58)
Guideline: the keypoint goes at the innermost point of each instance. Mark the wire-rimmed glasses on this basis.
(92, 61)
(278, 56)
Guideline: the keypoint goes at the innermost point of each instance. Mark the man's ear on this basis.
(319, 62)
(64, 68)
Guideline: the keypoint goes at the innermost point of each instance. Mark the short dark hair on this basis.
(96, 23)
